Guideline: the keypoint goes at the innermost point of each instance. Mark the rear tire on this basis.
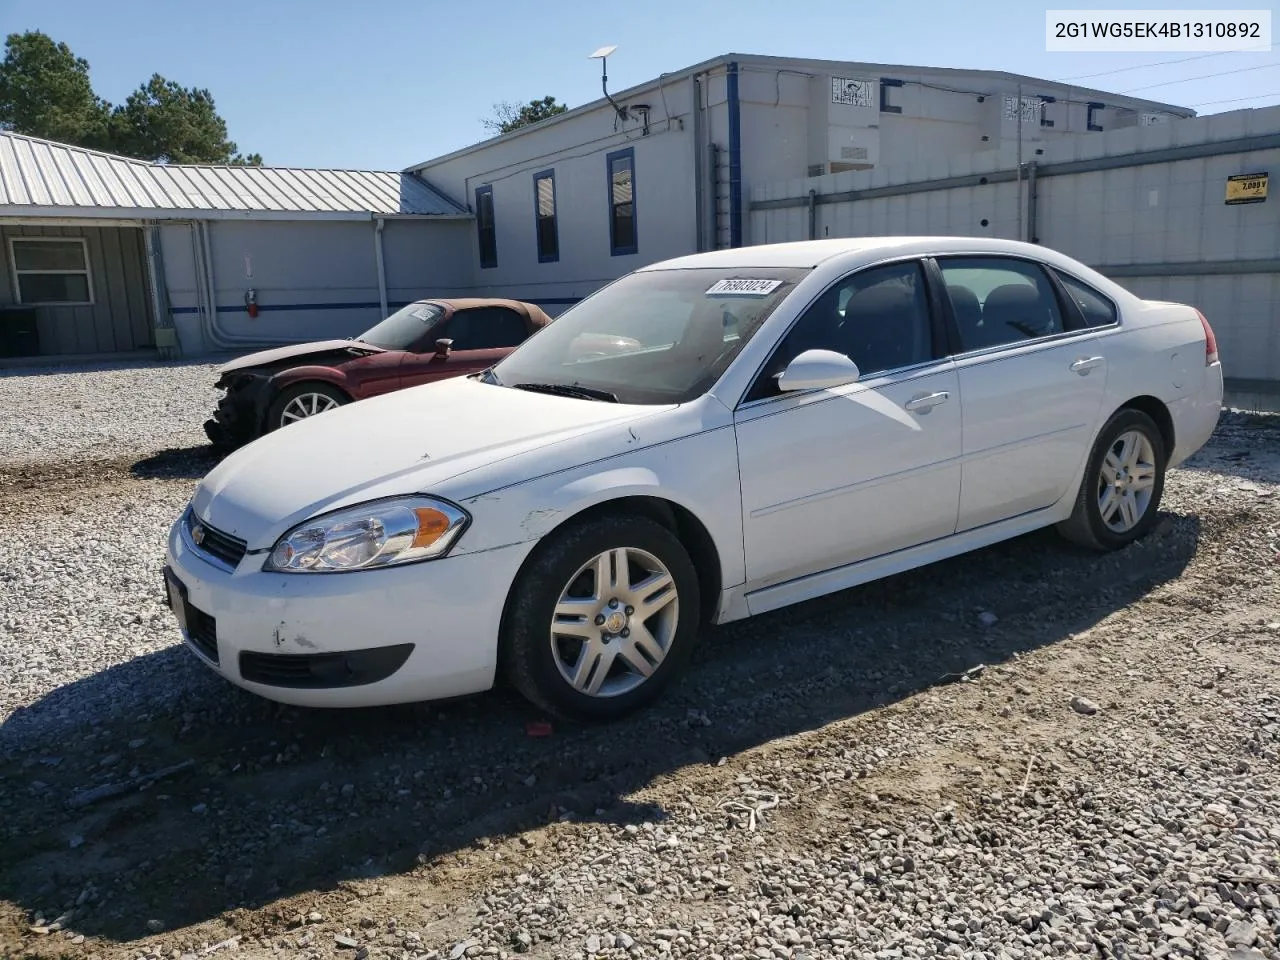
(1119, 496)
(572, 653)
(300, 401)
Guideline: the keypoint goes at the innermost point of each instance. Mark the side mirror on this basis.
(442, 347)
(818, 370)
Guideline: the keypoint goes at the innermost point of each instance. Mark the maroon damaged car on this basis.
(423, 341)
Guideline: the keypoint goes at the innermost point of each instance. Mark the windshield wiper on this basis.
(567, 390)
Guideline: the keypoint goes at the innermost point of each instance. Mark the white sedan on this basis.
(751, 428)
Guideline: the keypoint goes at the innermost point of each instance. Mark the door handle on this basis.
(927, 401)
(1085, 364)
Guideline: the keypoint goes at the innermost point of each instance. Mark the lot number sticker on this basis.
(744, 288)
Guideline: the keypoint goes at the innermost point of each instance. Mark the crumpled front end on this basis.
(237, 419)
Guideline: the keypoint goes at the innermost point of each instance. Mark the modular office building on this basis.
(666, 168)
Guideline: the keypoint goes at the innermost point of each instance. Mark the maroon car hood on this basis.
(293, 352)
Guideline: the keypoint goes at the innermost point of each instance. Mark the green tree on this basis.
(167, 122)
(45, 92)
(511, 116)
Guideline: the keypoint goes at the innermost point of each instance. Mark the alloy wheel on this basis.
(1126, 481)
(306, 405)
(615, 622)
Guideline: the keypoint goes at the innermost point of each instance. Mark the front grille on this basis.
(230, 550)
(203, 631)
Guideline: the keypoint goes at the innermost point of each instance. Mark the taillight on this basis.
(1210, 342)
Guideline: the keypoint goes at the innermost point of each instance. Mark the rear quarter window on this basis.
(1097, 308)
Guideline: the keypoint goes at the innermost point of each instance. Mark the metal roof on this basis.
(46, 178)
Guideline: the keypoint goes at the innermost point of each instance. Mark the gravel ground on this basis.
(59, 413)
(1030, 751)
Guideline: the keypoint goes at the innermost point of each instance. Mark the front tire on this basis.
(602, 619)
(300, 401)
(1123, 482)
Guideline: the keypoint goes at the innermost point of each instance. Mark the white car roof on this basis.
(810, 253)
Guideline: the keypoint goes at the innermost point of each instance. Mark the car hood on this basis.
(402, 442)
(293, 351)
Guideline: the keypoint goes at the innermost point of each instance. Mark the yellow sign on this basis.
(1247, 188)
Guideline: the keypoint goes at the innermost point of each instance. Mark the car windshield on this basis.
(404, 327)
(652, 337)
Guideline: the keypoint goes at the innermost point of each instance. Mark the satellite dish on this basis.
(603, 56)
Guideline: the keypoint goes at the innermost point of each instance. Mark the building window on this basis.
(544, 204)
(51, 271)
(486, 227)
(622, 202)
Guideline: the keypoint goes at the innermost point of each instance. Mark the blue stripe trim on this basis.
(371, 305)
(735, 158)
(264, 308)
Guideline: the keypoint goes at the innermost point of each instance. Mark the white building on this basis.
(666, 168)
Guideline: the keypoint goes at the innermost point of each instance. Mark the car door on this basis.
(1032, 379)
(481, 337)
(839, 475)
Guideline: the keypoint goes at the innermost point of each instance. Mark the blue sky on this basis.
(385, 84)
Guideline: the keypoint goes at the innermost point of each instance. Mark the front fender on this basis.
(698, 473)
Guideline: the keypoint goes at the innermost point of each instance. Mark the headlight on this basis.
(368, 536)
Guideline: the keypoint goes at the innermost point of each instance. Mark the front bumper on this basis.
(424, 631)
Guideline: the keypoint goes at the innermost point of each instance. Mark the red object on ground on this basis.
(538, 728)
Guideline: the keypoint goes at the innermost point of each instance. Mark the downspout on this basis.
(378, 224)
(813, 214)
(208, 274)
(167, 342)
(219, 336)
(735, 157)
(1031, 203)
(198, 281)
(699, 189)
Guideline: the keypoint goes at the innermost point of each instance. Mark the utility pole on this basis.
(1018, 114)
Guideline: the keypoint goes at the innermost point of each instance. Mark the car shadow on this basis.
(179, 463)
(259, 801)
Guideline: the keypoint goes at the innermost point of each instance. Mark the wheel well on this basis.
(1158, 412)
(688, 529)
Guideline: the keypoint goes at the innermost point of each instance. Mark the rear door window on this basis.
(999, 302)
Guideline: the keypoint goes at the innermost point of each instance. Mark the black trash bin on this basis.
(19, 336)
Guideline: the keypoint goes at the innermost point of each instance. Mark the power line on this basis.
(1259, 96)
(1162, 63)
(1205, 76)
